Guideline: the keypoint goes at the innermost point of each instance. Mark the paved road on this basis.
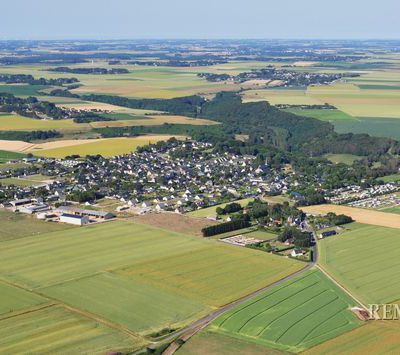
(199, 324)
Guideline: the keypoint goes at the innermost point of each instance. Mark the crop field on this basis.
(361, 215)
(365, 261)
(211, 211)
(106, 147)
(395, 209)
(15, 299)
(57, 330)
(294, 316)
(18, 225)
(390, 178)
(322, 114)
(10, 122)
(5, 156)
(154, 121)
(129, 263)
(378, 337)
(206, 342)
(280, 96)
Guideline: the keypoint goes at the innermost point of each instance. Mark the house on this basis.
(74, 219)
(297, 252)
(35, 208)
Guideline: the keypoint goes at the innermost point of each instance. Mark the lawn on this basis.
(365, 261)
(390, 178)
(55, 330)
(18, 225)
(105, 147)
(294, 316)
(373, 338)
(130, 264)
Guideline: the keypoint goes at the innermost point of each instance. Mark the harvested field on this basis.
(175, 222)
(361, 215)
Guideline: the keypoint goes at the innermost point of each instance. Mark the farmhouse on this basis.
(74, 219)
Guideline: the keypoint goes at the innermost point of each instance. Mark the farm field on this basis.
(322, 114)
(20, 182)
(390, 178)
(11, 122)
(5, 156)
(348, 159)
(207, 343)
(358, 260)
(106, 147)
(361, 215)
(294, 316)
(14, 299)
(120, 258)
(18, 225)
(154, 121)
(395, 209)
(211, 211)
(280, 96)
(378, 337)
(58, 330)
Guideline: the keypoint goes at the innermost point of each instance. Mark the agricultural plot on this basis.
(56, 330)
(10, 122)
(365, 261)
(294, 316)
(6, 156)
(15, 225)
(130, 264)
(207, 342)
(13, 299)
(361, 215)
(373, 338)
(281, 96)
(347, 159)
(105, 147)
(212, 211)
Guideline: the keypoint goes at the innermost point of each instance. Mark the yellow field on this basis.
(19, 123)
(376, 337)
(154, 121)
(280, 96)
(361, 215)
(105, 147)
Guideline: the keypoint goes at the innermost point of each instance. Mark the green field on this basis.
(294, 316)
(321, 114)
(22, 90)
(18, 225)
(395, 209)
(14, 299)
(348, 159)
(390, 178)
(5, 155)
(209, 343)
(130, 264)
(55, 330)
(365, 261)
(212, 211)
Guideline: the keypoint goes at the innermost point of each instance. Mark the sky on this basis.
(133, 19)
